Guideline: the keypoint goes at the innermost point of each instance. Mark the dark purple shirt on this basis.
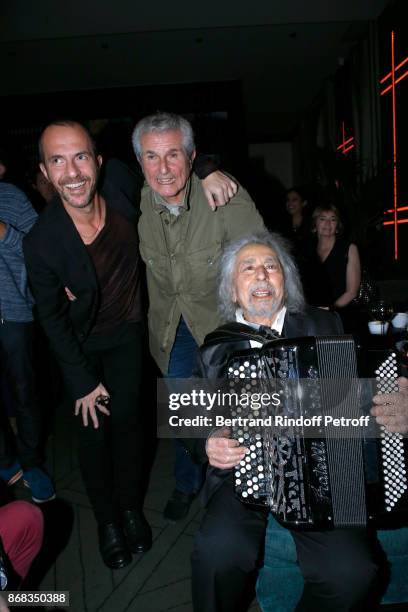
(115, 255)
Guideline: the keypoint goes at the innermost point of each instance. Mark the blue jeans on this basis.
(189, 476)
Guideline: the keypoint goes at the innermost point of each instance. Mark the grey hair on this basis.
(163, 122)
(293, 296)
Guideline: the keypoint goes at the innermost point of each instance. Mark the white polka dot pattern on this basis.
(392, 445)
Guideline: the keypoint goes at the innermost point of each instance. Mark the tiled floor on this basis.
(157, 581)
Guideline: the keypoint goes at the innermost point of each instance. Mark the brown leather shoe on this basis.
(137, 531)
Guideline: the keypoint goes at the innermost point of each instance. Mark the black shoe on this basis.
(178, 506)
(112, 546)
(137, 531)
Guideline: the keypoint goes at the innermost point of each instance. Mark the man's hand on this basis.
(3, 226)
(391, 409)
(224, 452)
(3, 606)
(218, 189)
(89, 404)
(70, 295)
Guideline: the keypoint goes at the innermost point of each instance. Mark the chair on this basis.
(280, 582)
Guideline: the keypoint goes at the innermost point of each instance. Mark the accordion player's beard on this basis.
(264, 308)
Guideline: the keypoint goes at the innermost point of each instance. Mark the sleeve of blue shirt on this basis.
(18, 214)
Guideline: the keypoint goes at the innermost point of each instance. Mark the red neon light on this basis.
(387, 76)
(394, 146)
(393, 222)
(394, 81)
(348, 149)
(399, 209)
(345, 142)
(384, 91)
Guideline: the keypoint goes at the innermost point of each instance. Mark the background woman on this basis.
(338, 273)
(296, 203)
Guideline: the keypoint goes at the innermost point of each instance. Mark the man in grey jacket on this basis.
(181, 240)
(17, 216)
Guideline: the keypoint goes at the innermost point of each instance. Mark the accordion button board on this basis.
(392, 444)
(250, 483)
(325, 481)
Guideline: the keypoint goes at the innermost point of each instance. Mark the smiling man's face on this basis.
(165, 164)
(258, 283)
(70, 164)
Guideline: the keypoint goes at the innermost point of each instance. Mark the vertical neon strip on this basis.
(394, 146)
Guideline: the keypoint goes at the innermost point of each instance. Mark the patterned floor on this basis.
(157, 581)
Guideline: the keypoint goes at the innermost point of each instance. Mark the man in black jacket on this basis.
(83, 263)
(260, 291)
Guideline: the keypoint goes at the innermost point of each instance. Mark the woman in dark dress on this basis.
(297, 230)
(338, 271)
(296, 203)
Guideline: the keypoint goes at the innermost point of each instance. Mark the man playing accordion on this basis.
(260, 295)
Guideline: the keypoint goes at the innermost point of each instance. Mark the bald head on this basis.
(69, 162)
(64, 123)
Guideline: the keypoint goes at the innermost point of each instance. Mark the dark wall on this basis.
(215, 109)
(394, 18)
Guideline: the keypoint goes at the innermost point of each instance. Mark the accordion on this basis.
(310, 472)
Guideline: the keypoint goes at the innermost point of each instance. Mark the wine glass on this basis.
(382, 311)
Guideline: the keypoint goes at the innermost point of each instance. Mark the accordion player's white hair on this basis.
(293, 297)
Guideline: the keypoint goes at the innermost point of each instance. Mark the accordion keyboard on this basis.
(334, 479)
(392, 444)
(250, 484)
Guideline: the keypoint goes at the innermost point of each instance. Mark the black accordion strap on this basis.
(268, 333)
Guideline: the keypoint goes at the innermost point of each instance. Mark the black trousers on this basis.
(16, 362)
(338, 569)
(337, 566)
(111, 457)
(228, 550)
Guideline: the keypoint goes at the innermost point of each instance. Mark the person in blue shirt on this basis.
(17, 216)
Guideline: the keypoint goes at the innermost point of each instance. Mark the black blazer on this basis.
(220, 344)
(57, 258)
(214, 355)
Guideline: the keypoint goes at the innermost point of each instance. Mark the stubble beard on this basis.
(268, 310)
(73, 202)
